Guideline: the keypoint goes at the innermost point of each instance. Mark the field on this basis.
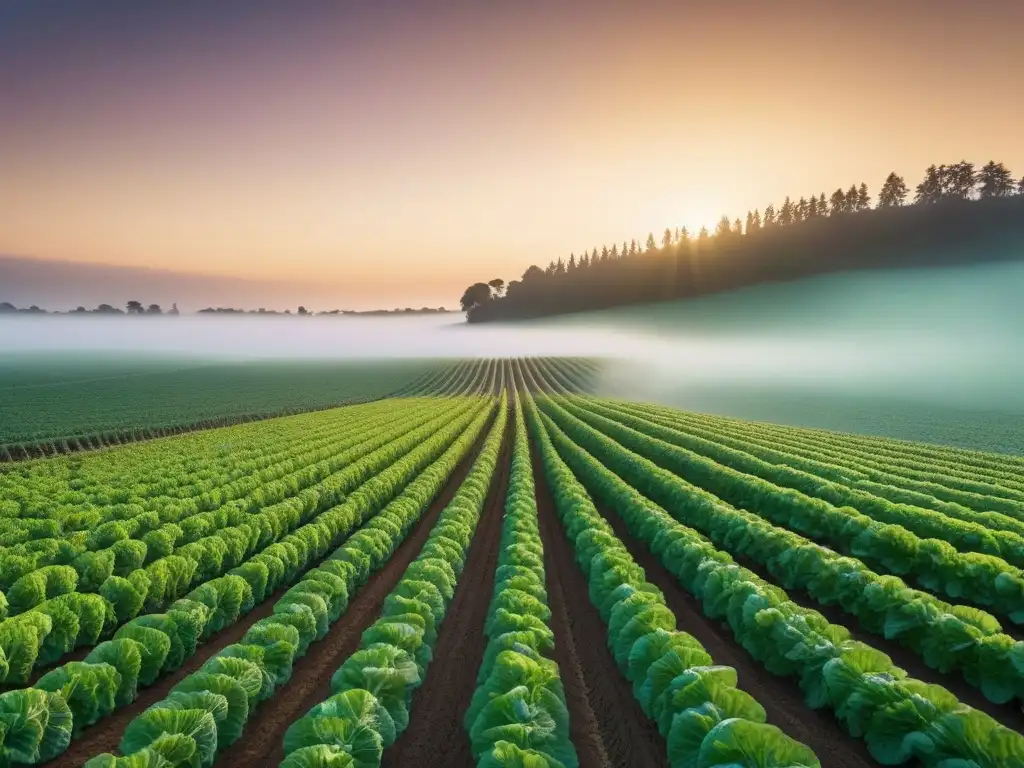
(492, 566)
(57, 405)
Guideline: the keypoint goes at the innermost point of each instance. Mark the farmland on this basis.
(487, 564)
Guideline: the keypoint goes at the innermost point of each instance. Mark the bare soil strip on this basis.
(781, 697)
(435, 736)
(607, 725)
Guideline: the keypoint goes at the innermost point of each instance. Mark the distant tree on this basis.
(812, 208)
(769, 216)
(572, 262)
(80, 310)
(6, 306)
(633, 248)
(724, 227)
(477, 294)
(863, 198)
(800, 210)
(822, 205)
(666, 238)
(174, 309)
(684, 237)
(893, 192)
(613, 254)
(497, 285)
(532, 273)
(303, 311)
(560, 266)
(837, 202)
(851, 199)
(154, 309)
(786, 213)
(930, 188)
(135, 308)
(737, 227)
(959, 180)
(995, 180)
(106, 309)
(584, 260)
(750, 221)
(1020, 186)
(703, 236)
(605, 254)
(549, 270)
(755, 222)
(651, 245)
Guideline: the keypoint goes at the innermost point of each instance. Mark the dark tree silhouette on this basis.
(838, 202)
(135, 308)
(947, 228)
(477, 294)
(154, 309)
(929, 191)
(893, 192)
(863, 198)
(995, 180)
(498, 285)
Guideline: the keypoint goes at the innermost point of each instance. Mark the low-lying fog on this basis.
(951, 337)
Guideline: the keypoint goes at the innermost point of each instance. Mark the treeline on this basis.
(959, 213)
(131, 308)
(137, 308)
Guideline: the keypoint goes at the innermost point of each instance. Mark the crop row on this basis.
(900, 718)
(374, 687)
(947, 637)
(43, 634)
(705, 718)
(518, 711)
(984, 580)
(152, 645)
(989, 532)
(859, 468)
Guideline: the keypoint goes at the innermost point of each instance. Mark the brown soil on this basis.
(435, 736)
(781, 697)
(105, 736)
(263, 741)
(607, 725)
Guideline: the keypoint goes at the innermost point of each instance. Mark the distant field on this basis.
(49, 399)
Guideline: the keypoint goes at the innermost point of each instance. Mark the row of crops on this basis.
(54, 406)
(498, 569)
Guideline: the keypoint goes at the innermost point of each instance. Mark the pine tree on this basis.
(750, 221)
(604, 253)
(737, 227)
(560, 267)
(651, 245)
(769, 216)
(958, 180)
(614, 253)
(837, 202)
(666, 238)
(812, 207)
(703, 236)
(930, 189)
(756, 222)
(995, 180)
(800, 211)
(863, 198)
(786, 213)
(893, 192)
(822, 205)
(633, 248)
(724, 227)
(572, 261)
(684, 236)
(1020, 186)
(851, 199)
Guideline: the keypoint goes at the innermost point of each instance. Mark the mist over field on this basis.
(876, 352)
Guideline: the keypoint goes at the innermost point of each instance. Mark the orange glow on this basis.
(406, 155)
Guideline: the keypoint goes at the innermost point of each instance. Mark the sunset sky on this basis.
(401, 150)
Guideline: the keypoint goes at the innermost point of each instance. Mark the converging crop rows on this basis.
(494, 566)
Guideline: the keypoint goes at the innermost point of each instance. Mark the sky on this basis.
(391, 153)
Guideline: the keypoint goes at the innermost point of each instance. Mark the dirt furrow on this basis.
(435, 736)
(263, 741)
(781, 697)
(607, 725)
